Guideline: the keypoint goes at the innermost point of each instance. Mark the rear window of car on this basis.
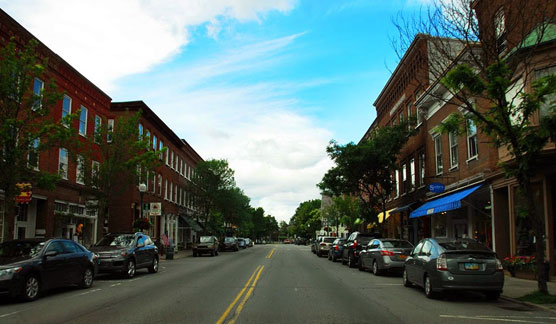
(463, 245)
(206, 239)
(329, 239)
(229, 239)
(397, 244)
(364, 239)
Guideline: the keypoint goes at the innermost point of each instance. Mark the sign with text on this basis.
(156, 209)
(24, 195)
(436, 187)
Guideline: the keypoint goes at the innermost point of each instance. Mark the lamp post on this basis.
(142, 189)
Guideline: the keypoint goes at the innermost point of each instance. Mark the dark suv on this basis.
(356, 242)
(126, 252)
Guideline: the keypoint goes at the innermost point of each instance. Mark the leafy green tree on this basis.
(114, 160)
(344, 210)
(365, 169)
(27, 126)
(303, 222)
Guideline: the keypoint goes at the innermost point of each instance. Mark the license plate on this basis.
(403, 257)
(471, 266)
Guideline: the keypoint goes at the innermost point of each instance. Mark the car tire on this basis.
(130, 268)
(87, 278)
(31, 288)
(215, 252)
(344, 261)
(376, 270)
(211, 253)
(350, 262)
(406, 281)
(154, 266)
(329, 256)
(333, 257)
(360, 265)
(492, 295)
(429, 292)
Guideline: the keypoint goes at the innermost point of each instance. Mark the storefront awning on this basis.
(381, 217)
(402, 208)
(449, 202)
(192, 223)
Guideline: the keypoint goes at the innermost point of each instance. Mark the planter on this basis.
(525, 274)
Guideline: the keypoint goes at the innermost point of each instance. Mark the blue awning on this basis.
(445, 203)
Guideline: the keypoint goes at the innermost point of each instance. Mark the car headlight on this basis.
(7, 274)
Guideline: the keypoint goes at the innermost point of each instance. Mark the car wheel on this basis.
(87, 278)
(344, 262)
(333, 257)
(31, 288)
(194, 254)
(154, 266)
(406, 281)
(429, 292)
(329, 256)
(360, 265)
(376, 270)
(130, 269)
(350, 262)
(492, 295)
(215, 252)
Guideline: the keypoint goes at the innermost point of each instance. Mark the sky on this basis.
(264, 84)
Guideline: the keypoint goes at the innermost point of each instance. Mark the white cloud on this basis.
(106, 39)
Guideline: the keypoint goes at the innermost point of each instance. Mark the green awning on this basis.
(192, 223)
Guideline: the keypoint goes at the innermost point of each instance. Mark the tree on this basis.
(114, 160)
(365, 169)
(303, 220)
(344, 210)
(27, 127)
(481, 82)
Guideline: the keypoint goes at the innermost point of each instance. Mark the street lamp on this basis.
(142, 189)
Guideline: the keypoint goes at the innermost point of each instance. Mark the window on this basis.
(544, 110)
(154, 183)
(95, 168)
(66, 107)
(154, 142)
(513, 96)
(140, 131)
(80, 170)
(175, 193)
(409, 106)
(500, 30)
(427, 247)
(160, 185)
(472, 144)
(171, 191)
(63, 163)
(33, 155)
(98, 125)
(401, 117)
(38, 87)
(404, 178)
(110, 130)
(167, 157)
(147, 178)
(395, 192)
(438, 153)
(422, 168)
(453, 137)
(160, 147)
(83, 121)
(412, 174)
(172, 159)
(418, 117)
(148, 137)
(166, 189)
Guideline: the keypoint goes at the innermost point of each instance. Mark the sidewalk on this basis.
(179, 255)
(515, 288)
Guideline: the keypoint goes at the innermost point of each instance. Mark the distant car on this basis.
(335, 251)
(384, 255)
(354, 244)
(286, 241)
(28, 267)
(241, 243)
(206, 244)
(126, 252)
(248, 242)
(439, 264)
(300, 241)
(324, 245)
(229, 244)
(314, 244)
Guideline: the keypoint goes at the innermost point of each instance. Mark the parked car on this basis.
(454, 264)
(241, 243)
(126, 252)
(354, 244)
(324, 245)
(314, 244)
(301, 241)
(29, 267)
(206, 244)
(335, 251)
(386, 254)
(248, 242)
(229, 244)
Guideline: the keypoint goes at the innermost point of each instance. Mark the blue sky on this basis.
(263, 84)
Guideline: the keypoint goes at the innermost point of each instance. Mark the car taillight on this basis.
(386, 253)
(322, 244)
(336, 247)
(499, 266)
(355, 244)
(442, 263)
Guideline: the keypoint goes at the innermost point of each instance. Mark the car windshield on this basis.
(16, 249)
(397, 244)
(206, 239)
(121, 240)
(229, 239)
(463, 245)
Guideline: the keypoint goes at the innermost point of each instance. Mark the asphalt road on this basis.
(263, 284)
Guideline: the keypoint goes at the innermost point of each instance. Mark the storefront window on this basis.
(439, 225)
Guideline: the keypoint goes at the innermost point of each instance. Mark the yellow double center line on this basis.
(270, 254)
(251, 285)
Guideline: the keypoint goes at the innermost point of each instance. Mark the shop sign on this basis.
(24, 195)
(155, 209)
(436, 187)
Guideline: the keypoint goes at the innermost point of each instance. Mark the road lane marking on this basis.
(116, 284)
(240, 306)
(223, 317)
(88, 292)
(270, 254)
(490, 319)
(9, 314)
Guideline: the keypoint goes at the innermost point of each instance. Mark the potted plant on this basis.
(142, 224)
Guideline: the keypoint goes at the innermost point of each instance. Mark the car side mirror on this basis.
(50, 253)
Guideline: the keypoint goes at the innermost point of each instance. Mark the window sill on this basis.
(476, 157)
(453, 168)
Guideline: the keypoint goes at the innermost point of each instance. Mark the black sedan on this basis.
(454, 264)
(28, 267)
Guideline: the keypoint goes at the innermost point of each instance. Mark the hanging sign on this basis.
(24, 196)
(436, 187)
(155, 209)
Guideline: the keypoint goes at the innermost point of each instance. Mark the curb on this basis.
(524, 303)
